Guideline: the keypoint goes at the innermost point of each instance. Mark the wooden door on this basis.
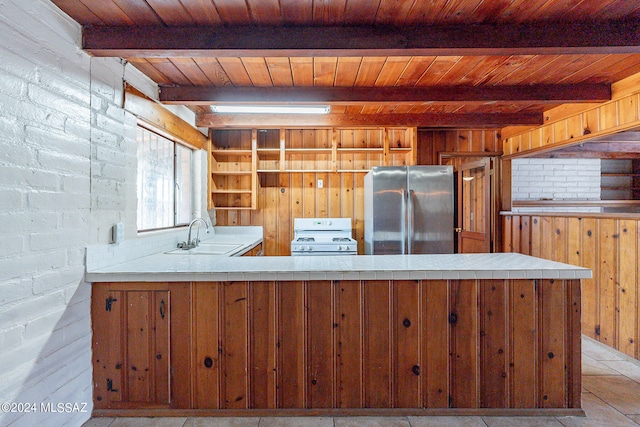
(474, 202)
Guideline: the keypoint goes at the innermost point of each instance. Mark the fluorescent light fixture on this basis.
(271, 109)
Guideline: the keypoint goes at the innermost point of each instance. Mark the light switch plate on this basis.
(320, 183)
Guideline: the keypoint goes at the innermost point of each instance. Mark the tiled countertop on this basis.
(100, 257)
(248, 237)
(184, 268)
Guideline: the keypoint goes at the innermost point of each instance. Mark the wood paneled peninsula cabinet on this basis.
(415, 334)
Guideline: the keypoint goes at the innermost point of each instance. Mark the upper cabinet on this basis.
(237, 156)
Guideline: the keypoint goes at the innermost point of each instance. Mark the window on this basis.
(164, 181)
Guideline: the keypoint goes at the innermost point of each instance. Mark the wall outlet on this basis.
(117, 233)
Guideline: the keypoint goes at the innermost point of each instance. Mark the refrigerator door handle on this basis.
(410, 214)
(404, 221)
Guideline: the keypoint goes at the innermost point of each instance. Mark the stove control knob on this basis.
(309, 248)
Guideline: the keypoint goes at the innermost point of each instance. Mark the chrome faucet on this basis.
(190, 244)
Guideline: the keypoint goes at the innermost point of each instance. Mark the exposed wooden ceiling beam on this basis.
(150, 111)
(540, 94)
(543, 38)
(462, 120)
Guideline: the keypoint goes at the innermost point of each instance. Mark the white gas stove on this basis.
(323, 236)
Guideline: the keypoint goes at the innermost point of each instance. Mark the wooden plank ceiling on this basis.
(437, 63)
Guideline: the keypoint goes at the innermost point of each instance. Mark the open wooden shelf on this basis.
(220, 172)
(232, 176)
(268, 152)
(620, 179)
(237, 156)
(308, 150)
(303, 170)
(360, 150)
(222, 191)
(239, 208)
(620, 188)
(220, 153)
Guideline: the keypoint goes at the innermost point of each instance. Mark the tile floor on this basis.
(610, 397)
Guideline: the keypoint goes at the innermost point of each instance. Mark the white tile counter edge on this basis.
(152, 243)
(185, 268)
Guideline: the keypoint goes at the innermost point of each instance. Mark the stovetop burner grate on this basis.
(323, 236)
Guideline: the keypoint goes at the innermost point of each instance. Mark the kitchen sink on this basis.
(205, 248)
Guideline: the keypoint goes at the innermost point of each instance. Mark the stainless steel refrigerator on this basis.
(408, 210)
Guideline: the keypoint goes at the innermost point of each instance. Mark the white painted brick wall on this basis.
(45, 350)
(67, 173)
(556, 179)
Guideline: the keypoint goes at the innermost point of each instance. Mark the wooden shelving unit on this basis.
(237, 156)
(269, 150)
(620, 179)
(232, 169)
(268, 160)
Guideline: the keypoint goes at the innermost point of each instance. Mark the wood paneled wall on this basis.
(431, 144)
(131, 352)
(338, 344)
(285, 196)
(610, 248)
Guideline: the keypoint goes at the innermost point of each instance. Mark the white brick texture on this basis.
(556, 179)
(67, 173)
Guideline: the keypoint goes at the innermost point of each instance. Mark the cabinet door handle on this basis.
(162, 309)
